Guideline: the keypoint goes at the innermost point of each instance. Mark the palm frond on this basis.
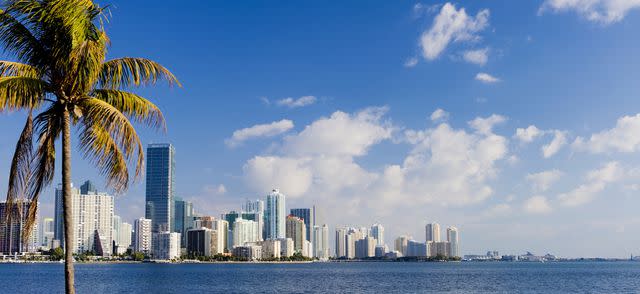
(132, 105)
(84, 66)
(10, 68)
(18, 40)
(20, 170)
(17, 92)
(97, 112)
(130, 71)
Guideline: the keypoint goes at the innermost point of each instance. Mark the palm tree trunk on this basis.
(66, 203)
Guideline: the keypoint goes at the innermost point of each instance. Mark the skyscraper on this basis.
(183, 217)
(11, 230)
(124, 240)
(142, 235)
(160, 186)
(275, 216)
(377, 232)
(92, 219)
(401, 244)
(433, 232)
(341, 239)
(245, 231)
(254, 210)
(453, 238)
(166, 245)
(297, 231)
(321, 242)
(308, 215)
(47, 229)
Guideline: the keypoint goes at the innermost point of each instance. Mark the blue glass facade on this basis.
(160, 187)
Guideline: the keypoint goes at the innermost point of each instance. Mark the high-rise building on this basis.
(275, 216)
(401, 244)
(254, 210)
(366, 247)
(166, 245)
(271, 249)
(453, 237)
(308, 215)
(321, 242)
(160, 186)
(248, 252)
(203, 222)
(433, 232)
(222, 230)
(297, 231)
(286, 247)
(117, 222)
(11, 229)
(245, 231)
(377, 232)
(341, 246)
(92, 213)
(438, 249)
(47, 232)
(202, 242)
(142, 236)
(183, 218)
(307, 249)
(417, 249)
(124, 239)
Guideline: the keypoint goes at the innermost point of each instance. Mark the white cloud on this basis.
(221, 189)
(341, 134)
(411, 62)
(537, 205)
(452, 25)
(529, 134)
(485, 125)
(622, 138)
(439, 115)
(498, 210)
(596, 181)
(486, 78)
(257, 131)
(288, 174)
(558, 141)
(542, 181)
(294, 103)
(479, 56)
(601, 11)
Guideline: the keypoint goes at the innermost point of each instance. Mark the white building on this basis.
(307, 249)
(142, 235)
(47, 233)
(321, 242)
(438, 248)
(417, 249)
(166, 245)
(245, 231)
(401, 244)
(222, 230)
(92, 213)
(432, 232)
(124, 239)
(453, 237)
(275, 215)
(271, 249)
(286, 247)
(366, 247)
(377, 232)
(248, 252)
(341, 245)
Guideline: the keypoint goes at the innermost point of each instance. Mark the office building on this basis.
(401, 244)
(92, 219)
(438, 249)
(275, 215)
(453, 237)
(202, 242)
(245, 231)
(341, 246)
(286, 247)
(124, 239)
(297, 231)
(254, 210)
(366, 247)
(222, 231)
(417, 249)
(142, 236)
(166, 245)
(321, 242)
(183, 218)
(271, 249)
(160, 187)
(12, 229)
(249, 252)
(203, 222)
(432, 232)
(308, 215)
(47, 233)
(377, 232)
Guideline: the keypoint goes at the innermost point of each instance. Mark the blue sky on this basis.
(336, 103)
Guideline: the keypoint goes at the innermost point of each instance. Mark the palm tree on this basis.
(61, 73)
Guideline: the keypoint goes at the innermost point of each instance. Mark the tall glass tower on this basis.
(309, 217)
(160, 187)
(275, 216)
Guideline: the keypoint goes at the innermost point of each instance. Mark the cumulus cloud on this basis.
(294, 103)
(486, 78)
(479, 56)
(622, 138)
(601, 11)
(439, 115)
(529, 134)
(257, 131)
(288, 174)
(485, 125)
(537, 205)
(596, 181)
(542, 181)
(452, 25)
(558, 141)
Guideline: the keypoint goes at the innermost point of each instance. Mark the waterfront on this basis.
(355, 277)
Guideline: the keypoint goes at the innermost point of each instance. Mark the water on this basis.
(566, 277)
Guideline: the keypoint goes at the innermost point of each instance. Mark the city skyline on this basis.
(539, 101)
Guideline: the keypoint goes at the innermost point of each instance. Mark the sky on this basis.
(516, 121)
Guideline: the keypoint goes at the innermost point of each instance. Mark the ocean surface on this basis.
(354, 277)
